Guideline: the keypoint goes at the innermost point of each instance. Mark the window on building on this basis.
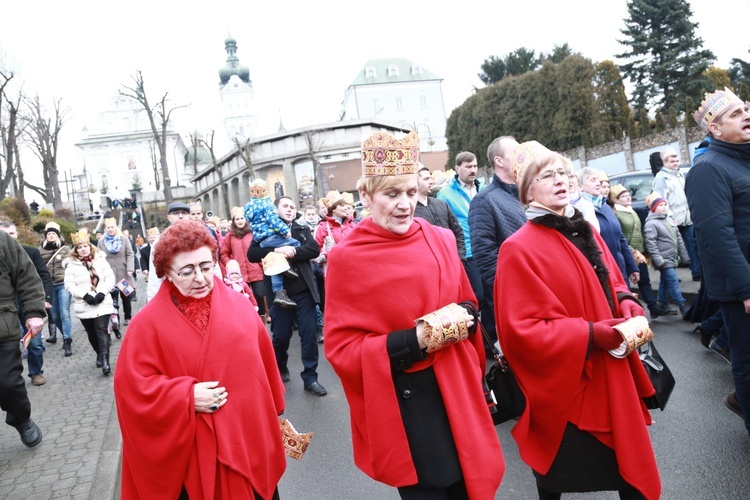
(399, 103)
(423, 101)
(392, 70)
(416, 70)
(370, 72)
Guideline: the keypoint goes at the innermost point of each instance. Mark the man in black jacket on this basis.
(718, 193)
(494, 214)
(36, 347)
(437, 212)
(302, 290)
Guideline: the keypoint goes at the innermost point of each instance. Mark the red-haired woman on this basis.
(191, 347)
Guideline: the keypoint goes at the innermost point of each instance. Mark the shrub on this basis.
(16, 211)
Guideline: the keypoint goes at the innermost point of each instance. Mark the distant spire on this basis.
(281, 124)
(233, 66)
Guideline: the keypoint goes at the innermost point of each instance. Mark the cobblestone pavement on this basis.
(79, 455)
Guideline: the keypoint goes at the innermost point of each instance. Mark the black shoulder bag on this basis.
(504, 397)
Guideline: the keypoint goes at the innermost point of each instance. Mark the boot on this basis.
(98, 360)
(66, 347)
(319, 335)
(104, 342)
(282, 299)
(52, 334)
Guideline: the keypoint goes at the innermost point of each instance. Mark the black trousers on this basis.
(13, 397)
(93, 326)
(456, 491)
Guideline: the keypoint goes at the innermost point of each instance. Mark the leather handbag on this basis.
(504, 397)
(660, 375)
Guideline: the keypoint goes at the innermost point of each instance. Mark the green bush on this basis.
(16, 211)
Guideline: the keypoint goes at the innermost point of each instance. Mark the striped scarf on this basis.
(89, 263)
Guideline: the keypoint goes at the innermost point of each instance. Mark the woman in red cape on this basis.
(197, 390)
(558, 292)
(419, 421)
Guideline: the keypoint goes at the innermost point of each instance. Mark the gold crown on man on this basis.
(715, 105)
(383, 154)
(80, 237)
(154, 231)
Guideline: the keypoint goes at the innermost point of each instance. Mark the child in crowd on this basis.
(236, 282)
(664, 244)
(270, 232)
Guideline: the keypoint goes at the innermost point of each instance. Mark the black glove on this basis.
(99, 297)
(89, 299)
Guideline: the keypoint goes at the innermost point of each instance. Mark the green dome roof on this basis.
(233, 66)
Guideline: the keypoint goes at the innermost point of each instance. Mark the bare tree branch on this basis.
(222, 186)
(245, 148)
(44, 133)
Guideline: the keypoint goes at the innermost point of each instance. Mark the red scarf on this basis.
(88, 261)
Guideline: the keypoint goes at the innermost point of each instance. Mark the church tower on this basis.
(236, 90)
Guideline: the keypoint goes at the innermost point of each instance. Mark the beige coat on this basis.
(78, 284)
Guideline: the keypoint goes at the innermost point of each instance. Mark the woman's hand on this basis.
(208, 397)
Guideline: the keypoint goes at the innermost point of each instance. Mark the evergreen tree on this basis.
(659, 124)
(493, 70)
(665, 60)
(611, 101)
(671, 118)
(688, 121)
(644, 125)
(739, 74)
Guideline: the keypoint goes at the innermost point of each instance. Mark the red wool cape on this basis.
(379, 282)
(165, 443)
(546, 292)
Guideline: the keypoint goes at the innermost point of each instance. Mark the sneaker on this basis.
(30, 433)
(126, 321)
(319, 335)
(658, 310)
(664, 306)
(283, 300)
(684, 308)
(285, 377)
(721, 351)
(38, 379)
(734, 405)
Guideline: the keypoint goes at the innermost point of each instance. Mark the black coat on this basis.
(41, 269)
(307, 250)
(438, 213)
(718, 193)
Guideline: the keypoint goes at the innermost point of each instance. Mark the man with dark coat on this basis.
(36, 347)
(718, 193)
(495, 214)
(437, 212)
(17, 276)
(302, 290)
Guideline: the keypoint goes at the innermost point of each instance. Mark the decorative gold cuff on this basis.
(444, 327)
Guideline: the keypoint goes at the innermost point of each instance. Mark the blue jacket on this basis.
(494, 215)
(611, 232)
(718, 192)
(459, 201)
(264, 220)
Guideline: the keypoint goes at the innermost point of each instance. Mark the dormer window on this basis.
(392, 70)
(370, 72)
(416, 70)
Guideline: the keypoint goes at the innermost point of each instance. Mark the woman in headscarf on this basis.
(584, 425)
(89, 279)
(420, 421)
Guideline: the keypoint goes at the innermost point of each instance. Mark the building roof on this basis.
(233, 66)
(397, 70)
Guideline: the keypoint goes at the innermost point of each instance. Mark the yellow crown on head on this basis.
(383, 154)
(79, 237)
(110, 221)
(154, 231)
(715, 105)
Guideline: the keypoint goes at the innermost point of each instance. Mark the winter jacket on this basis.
(718, 191)
(671, 184)
(307, 250)
(41, 270)
(631, 227)
(663, 242)
(459, 201)
(236, 248)
(17, 276)
(56, 266)
(336, 228)
(611, 232)
(264, 220)
(495, 214)
(122, 262)
(78, 284)
(438, 213)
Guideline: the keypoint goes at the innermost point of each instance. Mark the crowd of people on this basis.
(543, 258)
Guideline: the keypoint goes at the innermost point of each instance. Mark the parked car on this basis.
(639, 184)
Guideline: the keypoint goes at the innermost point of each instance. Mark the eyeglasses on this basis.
(187, 272)
(549, 175)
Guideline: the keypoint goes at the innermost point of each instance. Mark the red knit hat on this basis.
(655, 204)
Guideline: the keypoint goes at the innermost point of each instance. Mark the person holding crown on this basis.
(719, 199)
(400, 330)
(89, 279)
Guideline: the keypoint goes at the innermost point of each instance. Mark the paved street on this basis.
(702, 448)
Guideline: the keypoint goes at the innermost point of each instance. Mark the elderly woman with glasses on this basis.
(190, 348)
(558, 297)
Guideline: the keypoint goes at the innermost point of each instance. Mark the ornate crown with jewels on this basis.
(383, 154)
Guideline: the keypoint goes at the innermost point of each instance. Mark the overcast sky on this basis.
(302, 55)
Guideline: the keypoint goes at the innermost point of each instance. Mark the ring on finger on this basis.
(213, 407)
(216, 394)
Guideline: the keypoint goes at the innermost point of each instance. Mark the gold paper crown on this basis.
(522, 157)
(80, 237)
(154, 231)
(382, 154)
(715, 105)
(195, 204)
(258, 189)
(236, 212)
(331, 198)
(110, 221)
(348, 198)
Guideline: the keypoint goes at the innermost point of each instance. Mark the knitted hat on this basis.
(615, 191)
(52, 227)
(383, 154)
(655, 203)
(233, 267)
(715, 105)
(258, 189)
(652, 197)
